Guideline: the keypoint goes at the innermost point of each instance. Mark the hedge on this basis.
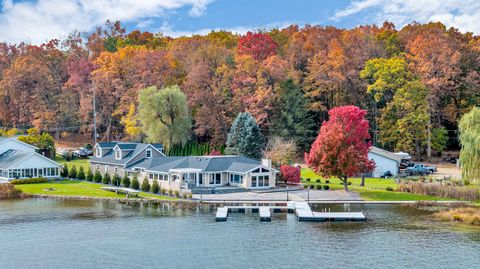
(29, 180)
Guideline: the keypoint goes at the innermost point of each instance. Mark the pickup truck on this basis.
(420, 169)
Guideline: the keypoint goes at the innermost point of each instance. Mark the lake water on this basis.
(41, 233)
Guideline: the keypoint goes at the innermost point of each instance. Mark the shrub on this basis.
(177, 193)
(64, 172)
(97, 177)
(326, 187)
(73, 172)
(290, 174)
(306, 186)
(466, 182)
(89, 175)
(170, 192)
(327, 181)
(439, 190)
(318, 181)
(163, 191)
(116, 180)
(190, 195)
(8, 191)
(145, 184)
(126, 181)
(81, 173)
(319, 187)
(308, 179)
(389, 188)
(155, 187)
(29, 181)
(106, 178)
(349, 183)
(185, 195)
(135, 184)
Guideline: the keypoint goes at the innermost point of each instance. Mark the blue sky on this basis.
(36, 21)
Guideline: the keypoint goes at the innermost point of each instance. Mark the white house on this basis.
(20, 160)
(384, 161)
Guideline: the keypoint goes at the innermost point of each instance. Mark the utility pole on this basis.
(94, 118)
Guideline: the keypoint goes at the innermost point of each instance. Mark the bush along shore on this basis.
(8, 191)
(438, 189)
(458, 212)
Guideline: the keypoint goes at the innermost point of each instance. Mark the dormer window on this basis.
(118, 154)
(98, 152)
(149, 153)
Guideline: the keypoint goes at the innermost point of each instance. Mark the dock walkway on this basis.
(302, 211)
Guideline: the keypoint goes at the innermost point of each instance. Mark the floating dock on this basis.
(302, 211)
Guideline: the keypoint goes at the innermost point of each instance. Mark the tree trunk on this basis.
(363, 180)
(345, 183)
(429, 141)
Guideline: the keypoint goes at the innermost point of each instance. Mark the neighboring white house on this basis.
(384, 161)
(21, 160)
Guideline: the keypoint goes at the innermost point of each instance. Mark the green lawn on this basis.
(374, 189)
(79, 188)
(77, 162)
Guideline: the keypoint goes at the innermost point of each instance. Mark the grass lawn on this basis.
(77, 162)
(374, 189)
(79, 188)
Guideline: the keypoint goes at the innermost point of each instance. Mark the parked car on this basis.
(420, 169)
(387, 174)
(82, 153)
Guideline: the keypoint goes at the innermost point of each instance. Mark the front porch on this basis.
(47, 172)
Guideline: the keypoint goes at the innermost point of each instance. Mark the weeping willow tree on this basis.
(469, 128)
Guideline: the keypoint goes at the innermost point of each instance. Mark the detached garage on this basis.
(384, 161)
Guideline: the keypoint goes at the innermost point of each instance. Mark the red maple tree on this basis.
(290, 174)
(341, 148)
(258, 45)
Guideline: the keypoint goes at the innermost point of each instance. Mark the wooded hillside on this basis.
(415, 82)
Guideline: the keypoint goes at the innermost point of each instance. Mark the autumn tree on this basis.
(340, 149)
(257, 45)
(164, 115)
(132, 124)
(245, 137)
(469, 128)
(280, 150)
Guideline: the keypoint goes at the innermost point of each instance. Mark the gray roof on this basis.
(105, 145)
(205, 163)
(109, 157)
(12, 156)
(386, 154)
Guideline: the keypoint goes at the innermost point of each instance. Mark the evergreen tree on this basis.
(73, 172)
(145, 184)
(155, 187)
(89, 175)
(135, 184)
(245, 137)
(126, 181)
(97, 177)
(106, 178)
(293, 121)
(81, 173)
(116, 180)
(64, 172)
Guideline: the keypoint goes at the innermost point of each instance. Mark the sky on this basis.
(37, 21)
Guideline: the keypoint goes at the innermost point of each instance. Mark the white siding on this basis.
(16, 145)
(382, 165)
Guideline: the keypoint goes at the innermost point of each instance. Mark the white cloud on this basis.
(461, 14)
(168, 30)
(41, 20)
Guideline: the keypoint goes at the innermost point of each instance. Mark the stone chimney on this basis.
(267, 162)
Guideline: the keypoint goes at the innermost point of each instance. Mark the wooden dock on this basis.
(302, 211)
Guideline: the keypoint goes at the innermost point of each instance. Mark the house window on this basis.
(98, 152)
(116, 170)
(118, 154)
(97, 167)
(218, 179)
(256, 170)
(150, 175)
(149, 153)
(106, 169)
